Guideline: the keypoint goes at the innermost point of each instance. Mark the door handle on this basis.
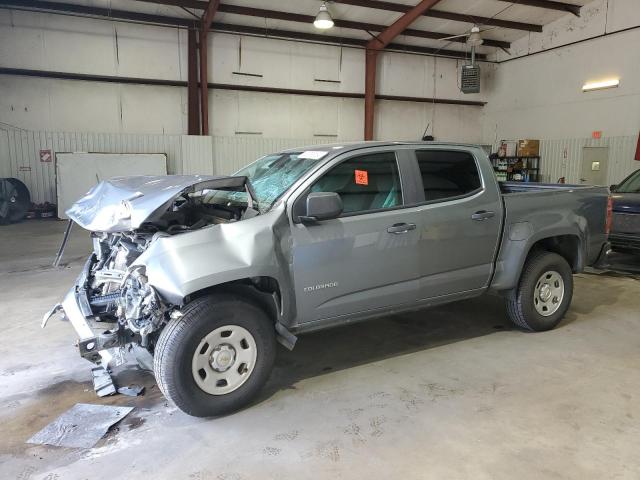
(482, 215)
(398, 228)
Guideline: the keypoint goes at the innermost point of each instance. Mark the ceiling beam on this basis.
(550, 5)
(212, 8)
(121, 15)
(399, 27)
(371, 27)
(321, 38)
(374, 46)
(392, 7)
(458, 17)
(308, 19)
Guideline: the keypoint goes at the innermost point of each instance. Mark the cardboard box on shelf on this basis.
(528, 148)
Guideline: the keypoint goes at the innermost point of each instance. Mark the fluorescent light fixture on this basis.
(610, 83)
(323, 20)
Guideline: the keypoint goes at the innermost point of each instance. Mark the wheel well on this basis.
(263, 292)
(567, 246)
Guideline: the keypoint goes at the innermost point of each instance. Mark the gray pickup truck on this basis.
(205, 274)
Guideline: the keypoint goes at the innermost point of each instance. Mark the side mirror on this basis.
(322, 206)
(613, 188)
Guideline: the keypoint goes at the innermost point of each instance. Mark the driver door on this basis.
(367, 259)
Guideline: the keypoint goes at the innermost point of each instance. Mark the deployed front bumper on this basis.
(75, 307)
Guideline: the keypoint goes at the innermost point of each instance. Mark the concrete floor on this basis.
(453, 392)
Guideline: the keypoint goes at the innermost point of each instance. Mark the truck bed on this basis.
(538, 210)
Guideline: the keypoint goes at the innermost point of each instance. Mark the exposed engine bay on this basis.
(119, 298)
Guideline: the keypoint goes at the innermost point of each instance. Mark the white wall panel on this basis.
(93, 45)
(232, 153)
(87, 46)
(563, 158)
(20, 153)
(76, 173)
(196, 155)
(154, 51)
(153, 109)
(23, 159)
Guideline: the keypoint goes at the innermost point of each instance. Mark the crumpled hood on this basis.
(122, 204)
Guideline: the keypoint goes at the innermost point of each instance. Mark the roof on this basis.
(336, 148)
(357, 21)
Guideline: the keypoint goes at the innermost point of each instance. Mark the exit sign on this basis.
(597, 134)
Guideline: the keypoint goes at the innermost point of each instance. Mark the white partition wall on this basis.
(76, 173)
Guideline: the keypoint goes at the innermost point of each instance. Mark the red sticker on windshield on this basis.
(362, 177)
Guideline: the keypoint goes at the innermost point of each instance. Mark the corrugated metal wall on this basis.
(232, 153)
(563, 158)
(20, 153)
(197, 155)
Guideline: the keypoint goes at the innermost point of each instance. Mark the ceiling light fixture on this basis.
(323, 20)
(611, 83)
(475, 39)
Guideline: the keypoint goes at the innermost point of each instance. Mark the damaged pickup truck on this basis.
(202, 275)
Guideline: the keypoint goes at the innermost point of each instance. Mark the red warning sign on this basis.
(362, 177)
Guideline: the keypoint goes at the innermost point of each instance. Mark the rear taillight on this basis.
(607, 226)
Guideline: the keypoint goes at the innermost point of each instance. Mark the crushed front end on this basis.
(112, 306)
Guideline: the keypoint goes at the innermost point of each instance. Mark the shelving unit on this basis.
(517, 168)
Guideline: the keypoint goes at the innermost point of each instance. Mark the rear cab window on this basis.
(447, 174)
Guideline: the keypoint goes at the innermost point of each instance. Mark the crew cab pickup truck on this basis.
(206, 274)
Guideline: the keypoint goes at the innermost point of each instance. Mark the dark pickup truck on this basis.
(205, 274)
(625, 229)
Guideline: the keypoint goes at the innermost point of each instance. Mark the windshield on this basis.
(271, 176)
(630, 185)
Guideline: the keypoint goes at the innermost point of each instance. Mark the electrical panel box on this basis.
(470, 79)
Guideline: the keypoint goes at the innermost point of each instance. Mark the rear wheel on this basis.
(216, 357)
(544, 292)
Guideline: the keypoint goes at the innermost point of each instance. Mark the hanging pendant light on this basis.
(475, 39)
(323, 20)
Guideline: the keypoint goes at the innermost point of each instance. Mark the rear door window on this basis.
(365, 183)
(447, 174)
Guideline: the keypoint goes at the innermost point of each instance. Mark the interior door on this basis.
(594, 165)
(460, 223)
(364, 260)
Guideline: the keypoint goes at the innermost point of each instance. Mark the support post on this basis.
(207, 18)
(370, 92)
(192, 84)
(373, 47)
(204, 84)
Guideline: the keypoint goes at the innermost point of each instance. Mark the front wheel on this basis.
(544, 292)
(215, 357)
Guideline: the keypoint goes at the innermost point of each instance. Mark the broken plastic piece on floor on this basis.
(102, 382)
(132, 390)
(81, 426)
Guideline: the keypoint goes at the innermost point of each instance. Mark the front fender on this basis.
(182, 264)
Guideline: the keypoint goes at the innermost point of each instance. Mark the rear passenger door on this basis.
(365, 260)
(460, 222)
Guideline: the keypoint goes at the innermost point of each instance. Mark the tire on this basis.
(185, 369)
(532, 305)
